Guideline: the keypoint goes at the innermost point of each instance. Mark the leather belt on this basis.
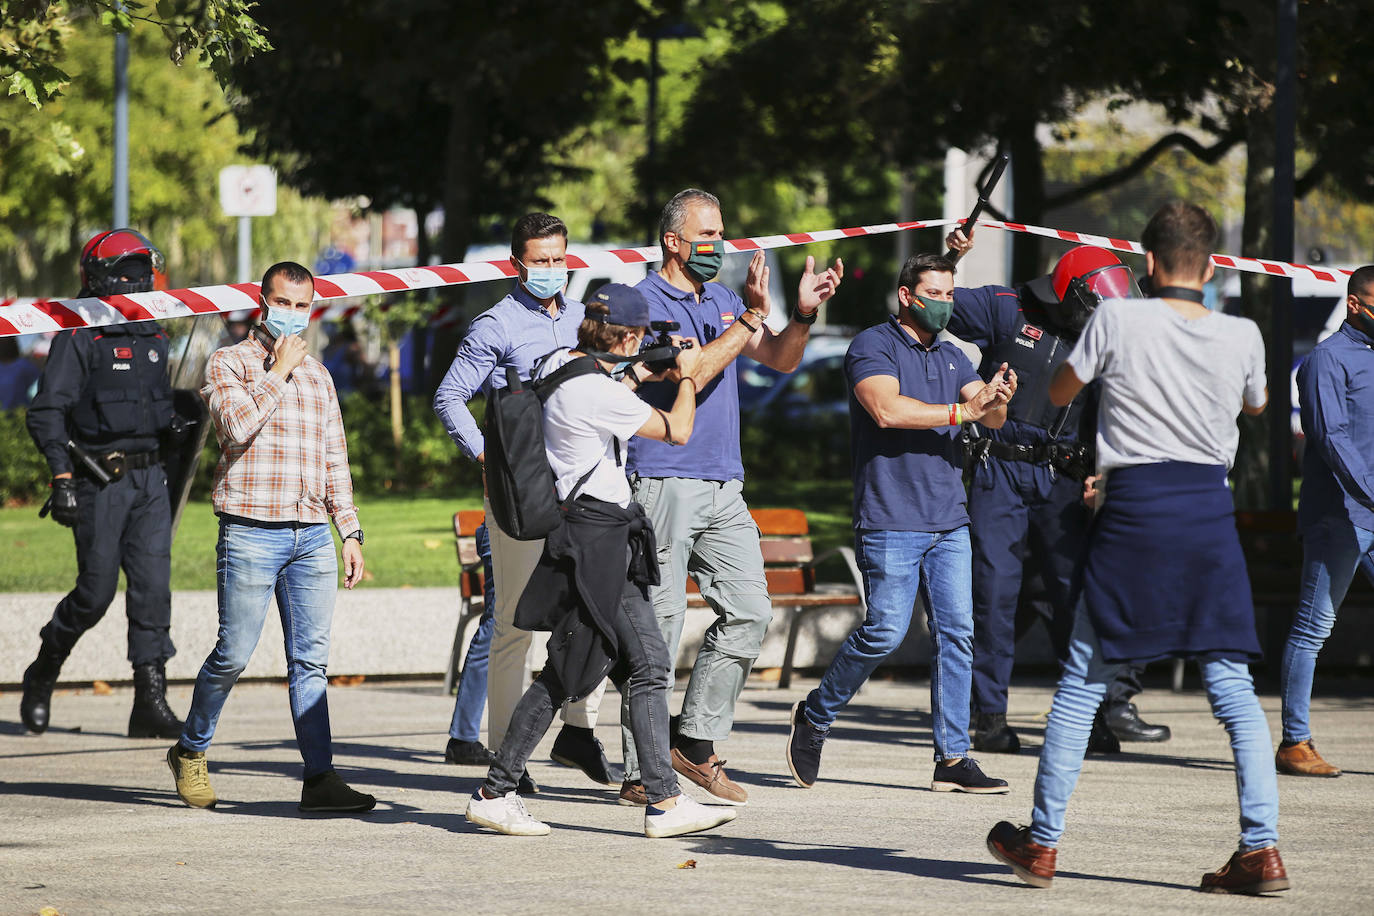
(135, 460)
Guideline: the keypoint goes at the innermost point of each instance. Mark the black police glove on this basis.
(63, 501)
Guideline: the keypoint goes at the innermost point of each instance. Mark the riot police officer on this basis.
(103, 401)
(1026, 494)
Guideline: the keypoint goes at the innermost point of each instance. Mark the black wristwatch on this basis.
(358, 535)
(799, 316)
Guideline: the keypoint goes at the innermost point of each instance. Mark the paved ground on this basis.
(89, 823)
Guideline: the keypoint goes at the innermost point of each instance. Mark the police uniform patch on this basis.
(152, 356)
(124, 352)
(1031, 331)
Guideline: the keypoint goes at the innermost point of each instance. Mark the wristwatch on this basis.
(804, 317)
(358, 535)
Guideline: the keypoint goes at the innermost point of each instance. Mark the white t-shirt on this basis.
(584, 420)
(1171, 387)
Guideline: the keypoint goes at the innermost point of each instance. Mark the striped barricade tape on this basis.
(53, 315)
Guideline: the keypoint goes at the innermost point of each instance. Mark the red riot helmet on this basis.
(121, 261)
(1082, 278)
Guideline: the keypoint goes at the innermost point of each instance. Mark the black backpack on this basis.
(520, 484)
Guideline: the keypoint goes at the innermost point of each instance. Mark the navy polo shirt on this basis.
(713, 451)
(906, 479)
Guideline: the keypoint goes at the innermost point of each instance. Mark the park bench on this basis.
(789, 565)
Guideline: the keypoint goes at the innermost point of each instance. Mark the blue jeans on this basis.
(472, 685)
(1331, 550)
(299, 566)
(897, 566)
(1080, 692)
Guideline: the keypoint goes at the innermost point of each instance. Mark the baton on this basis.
(89, 461)
(995, 177)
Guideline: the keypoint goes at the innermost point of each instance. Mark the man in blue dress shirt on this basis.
(1335, 509)
(534, 319)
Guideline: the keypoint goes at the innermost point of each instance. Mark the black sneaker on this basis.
(965, 776)
(468, 754)
(579, 748)
(526, 785)
(992, 734)
(327, 793)
(804, 744)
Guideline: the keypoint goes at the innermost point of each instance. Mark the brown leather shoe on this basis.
(632, 795)
(1259, 871)
(1031, 862)
(1302, 759)
(711, 777)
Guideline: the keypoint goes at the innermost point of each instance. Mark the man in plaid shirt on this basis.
(282, 475)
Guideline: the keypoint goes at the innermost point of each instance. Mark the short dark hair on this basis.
(290, 270)
(918, 264)
(598, 335)
(675, 211)
(1182, 237)
(1361, 281)
(534, 226)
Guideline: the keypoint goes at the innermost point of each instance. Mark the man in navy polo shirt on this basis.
(693, 494)
(910, 393)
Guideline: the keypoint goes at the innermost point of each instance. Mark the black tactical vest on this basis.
(1035, 352)
(127, 394)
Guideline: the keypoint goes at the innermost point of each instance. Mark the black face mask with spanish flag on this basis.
(1363, 319)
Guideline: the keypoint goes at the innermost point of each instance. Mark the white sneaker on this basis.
(506, 815)
(687, 816)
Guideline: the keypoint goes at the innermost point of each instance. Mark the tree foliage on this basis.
(33, 36)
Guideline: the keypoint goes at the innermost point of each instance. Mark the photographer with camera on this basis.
(533, 319)
(694, 494)
(1028, 487)
(590, 587)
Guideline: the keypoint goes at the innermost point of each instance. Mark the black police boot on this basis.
(39, 680)
(1125, 722)
(992, 734)
(151, 717)
(1101, 740)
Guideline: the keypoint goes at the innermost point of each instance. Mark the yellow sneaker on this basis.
(192, 777)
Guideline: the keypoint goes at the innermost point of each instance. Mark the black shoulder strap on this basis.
(582, 365)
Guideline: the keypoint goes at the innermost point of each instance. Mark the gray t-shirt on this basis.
(1171, 387)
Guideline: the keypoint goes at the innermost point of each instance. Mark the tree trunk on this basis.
(1252, 458)
(1028, 197)
(393, 359)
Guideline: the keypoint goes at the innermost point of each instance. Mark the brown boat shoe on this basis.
(711, 777)
(1259, 871)
(1030, 861)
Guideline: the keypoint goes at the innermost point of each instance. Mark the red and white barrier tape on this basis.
(41, 316)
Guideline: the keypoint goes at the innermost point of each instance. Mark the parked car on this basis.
(817, 389)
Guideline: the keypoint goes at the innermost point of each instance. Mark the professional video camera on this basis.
(660, 353)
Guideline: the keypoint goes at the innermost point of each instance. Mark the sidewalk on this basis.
(89, 822)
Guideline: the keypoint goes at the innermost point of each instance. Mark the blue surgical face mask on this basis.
(545, 282)
(281, 322)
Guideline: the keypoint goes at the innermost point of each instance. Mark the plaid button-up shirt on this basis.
(283, 456)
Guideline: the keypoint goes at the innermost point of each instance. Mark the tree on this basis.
(33, 36)
(56, 171)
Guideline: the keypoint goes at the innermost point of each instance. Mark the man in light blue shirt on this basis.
(534, 319)
(1335, 510)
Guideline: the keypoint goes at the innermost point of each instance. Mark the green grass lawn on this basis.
(409, 540)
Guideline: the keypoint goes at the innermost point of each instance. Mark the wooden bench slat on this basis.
(807, 600)
(786, 551)
(780, 521)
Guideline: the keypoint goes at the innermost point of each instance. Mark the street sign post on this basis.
(247, 191)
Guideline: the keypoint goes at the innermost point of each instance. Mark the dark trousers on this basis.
(125, 524)
(1028, 523)
(645, 655)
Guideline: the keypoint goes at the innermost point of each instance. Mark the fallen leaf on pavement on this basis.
(101, 689)
(690, 863)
